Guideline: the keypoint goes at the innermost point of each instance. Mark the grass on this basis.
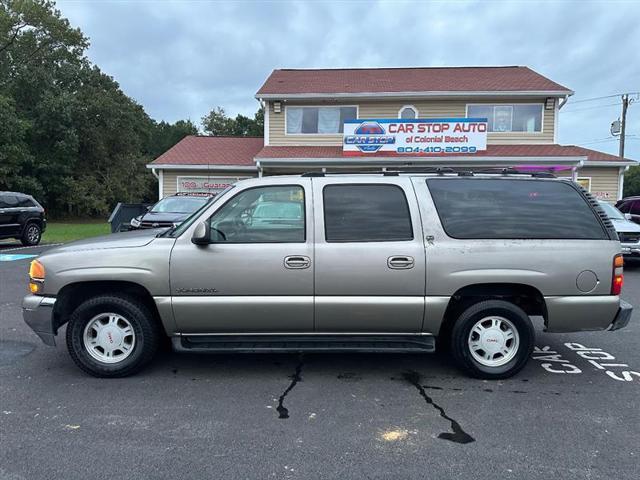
(58, 232)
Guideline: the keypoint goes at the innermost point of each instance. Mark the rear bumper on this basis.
(622, 317)
(37, 312)
(586, 313)
(630, 248)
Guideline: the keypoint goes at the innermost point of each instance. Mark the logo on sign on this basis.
(369, 137)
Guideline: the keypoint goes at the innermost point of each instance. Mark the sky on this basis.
(180, 59)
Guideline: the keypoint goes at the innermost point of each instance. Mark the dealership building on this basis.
(384, 118)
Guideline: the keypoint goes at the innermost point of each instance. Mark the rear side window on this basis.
(513, 209)
(366, 213)
(25, 202)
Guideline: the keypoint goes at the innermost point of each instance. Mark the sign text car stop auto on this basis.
(397, 137)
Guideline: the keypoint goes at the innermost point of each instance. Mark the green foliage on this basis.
(632, 182)
(68, 134)
(217, 123)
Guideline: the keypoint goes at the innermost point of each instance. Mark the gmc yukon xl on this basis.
(388, 262)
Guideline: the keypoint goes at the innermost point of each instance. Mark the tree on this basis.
(632, 182)
(217, 123)
(165, 135)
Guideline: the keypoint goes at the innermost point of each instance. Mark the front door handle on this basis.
(297, 261)
(400, 262)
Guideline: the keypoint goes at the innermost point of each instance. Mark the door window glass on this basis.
(635, 207)
(262, 215)
(8, 201)
(366, 213)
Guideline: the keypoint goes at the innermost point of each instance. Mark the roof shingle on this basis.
(204, 150)
(410, 80)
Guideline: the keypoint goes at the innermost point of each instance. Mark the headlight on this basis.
(36, 276)
(135, 223)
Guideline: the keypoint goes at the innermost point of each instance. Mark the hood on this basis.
(135, 238)
(625, 226)
(163, 217)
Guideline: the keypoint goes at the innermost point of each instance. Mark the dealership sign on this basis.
(205, 184)
(429, 136)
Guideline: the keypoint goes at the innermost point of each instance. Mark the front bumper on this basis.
(622, 317)
(37, 312)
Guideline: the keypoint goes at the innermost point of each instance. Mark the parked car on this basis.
(364, 262)
(22, 218)
(170, 211)
(628, 232)
(630, 206)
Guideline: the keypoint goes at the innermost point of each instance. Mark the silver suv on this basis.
(385, 261)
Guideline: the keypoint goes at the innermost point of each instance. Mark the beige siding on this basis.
(604, 180)
(426, 109)
(170, 178)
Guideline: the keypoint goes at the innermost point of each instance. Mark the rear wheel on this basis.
(31, 235)
(112, 336)
(492, 339)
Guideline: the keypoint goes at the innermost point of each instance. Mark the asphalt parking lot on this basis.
(572, 413)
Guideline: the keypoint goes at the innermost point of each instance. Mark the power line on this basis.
(605, 96)
(590, 108)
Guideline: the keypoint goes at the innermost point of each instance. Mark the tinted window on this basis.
(8, 201)
(509, 208)
(635, 207)
(262, 215)
(624, 207)
(25, 202)
(366, 213)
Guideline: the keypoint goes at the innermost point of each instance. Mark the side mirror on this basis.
(202, 234)
(628, 216)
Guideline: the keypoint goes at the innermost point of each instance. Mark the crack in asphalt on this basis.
(283, 412)
(457, 435)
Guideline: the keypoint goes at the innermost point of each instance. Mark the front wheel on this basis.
(31, 235)
(492, 339)
(112, 336)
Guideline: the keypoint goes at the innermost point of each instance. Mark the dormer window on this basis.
(408, 111)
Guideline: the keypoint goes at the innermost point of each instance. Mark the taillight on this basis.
(618, 278)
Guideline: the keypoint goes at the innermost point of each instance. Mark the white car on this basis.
(628, 231)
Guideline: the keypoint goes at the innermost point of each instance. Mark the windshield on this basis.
(179, 204)
(177, 231)
(612, 212)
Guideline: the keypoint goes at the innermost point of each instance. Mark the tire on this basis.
(32, 235)
(134, 331)
(495, 319)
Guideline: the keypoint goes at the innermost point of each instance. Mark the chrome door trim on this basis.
(279, 334)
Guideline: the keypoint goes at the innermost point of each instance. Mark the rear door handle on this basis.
(297, 261)
(400, 262)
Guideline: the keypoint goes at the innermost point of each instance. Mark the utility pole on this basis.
(623, 124)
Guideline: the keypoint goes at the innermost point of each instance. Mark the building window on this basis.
(318, 120)
(408, 111)
(509, 117)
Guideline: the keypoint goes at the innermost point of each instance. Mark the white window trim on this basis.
(204, 177)
(412, 107)
(287, 134)
(466, 114)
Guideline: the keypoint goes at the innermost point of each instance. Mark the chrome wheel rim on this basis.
(109, 338)
(33, 234)
(493, 341)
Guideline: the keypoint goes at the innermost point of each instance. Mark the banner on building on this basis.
(415, 137)
(205, 184)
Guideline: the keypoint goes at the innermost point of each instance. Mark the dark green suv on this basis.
(21, 217)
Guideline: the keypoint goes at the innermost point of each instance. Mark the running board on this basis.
(303, 343)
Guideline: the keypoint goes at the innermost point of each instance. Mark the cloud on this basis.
(179, 59)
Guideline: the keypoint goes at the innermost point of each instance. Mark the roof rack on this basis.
(434, 170)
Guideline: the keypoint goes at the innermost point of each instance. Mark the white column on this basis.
(160, 184)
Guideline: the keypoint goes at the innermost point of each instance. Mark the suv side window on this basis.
(25, 202)
(273, 214)
(634, 207)
(8, 201)
(624, 207)
(513, 209)
(366, 213)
